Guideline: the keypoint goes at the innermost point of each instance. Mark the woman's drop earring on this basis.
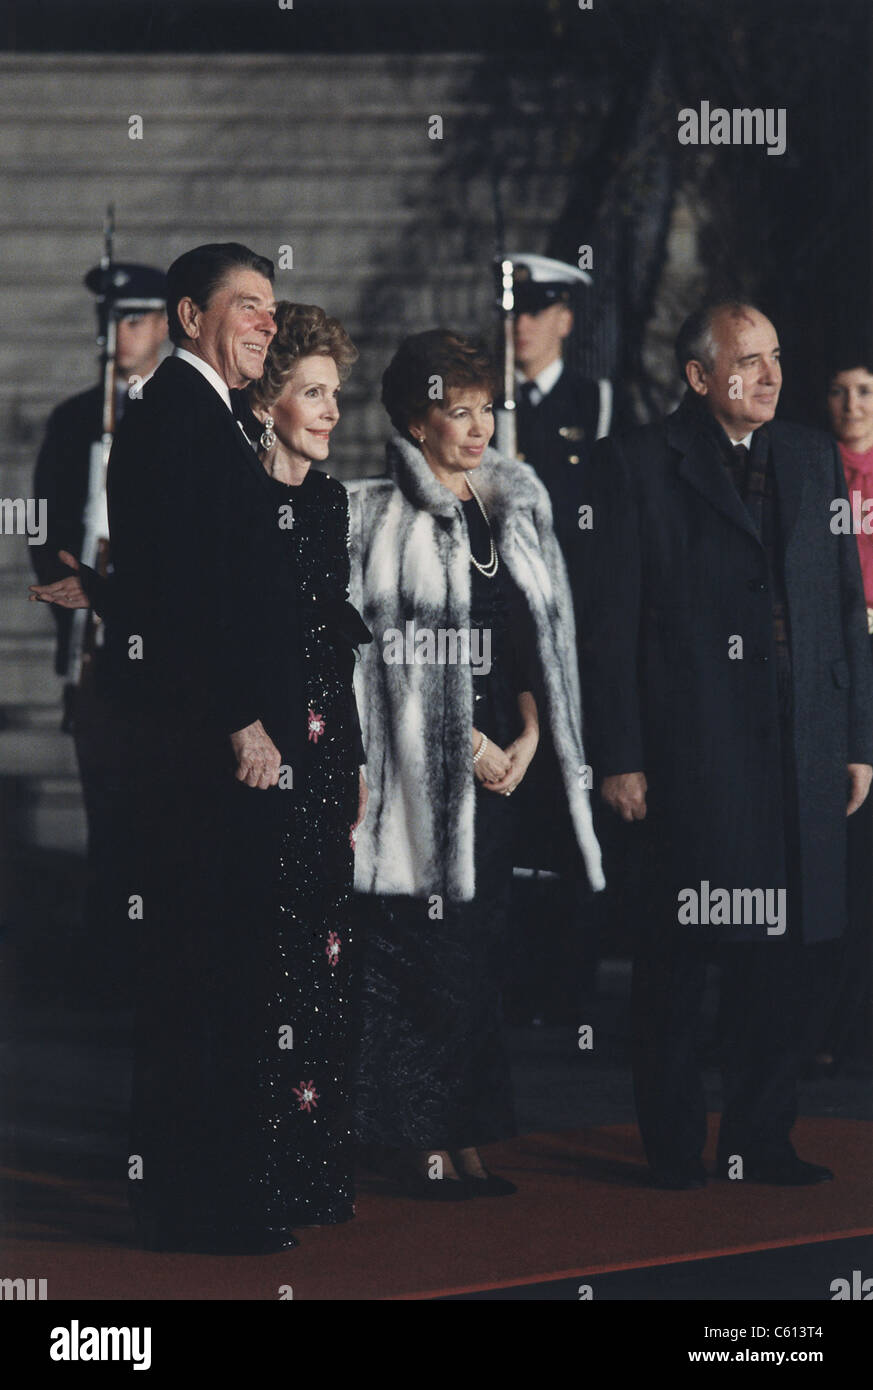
(268, 438)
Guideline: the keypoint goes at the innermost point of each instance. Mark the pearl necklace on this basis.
(490, 568)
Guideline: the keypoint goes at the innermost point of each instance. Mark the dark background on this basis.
(605, 87)
(794, 230)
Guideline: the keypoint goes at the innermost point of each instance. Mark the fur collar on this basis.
(507, 486)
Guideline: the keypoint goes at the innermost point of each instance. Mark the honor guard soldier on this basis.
(70, 477)
(74, 426)
(559, 412)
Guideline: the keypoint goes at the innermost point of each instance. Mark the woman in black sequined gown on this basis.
(304, 1083)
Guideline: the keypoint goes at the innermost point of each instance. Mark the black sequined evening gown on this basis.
(307, 1176)
(241, 1117)
(432, 1071)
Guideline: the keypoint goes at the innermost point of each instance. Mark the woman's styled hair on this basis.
(427, 366)
(302, 330)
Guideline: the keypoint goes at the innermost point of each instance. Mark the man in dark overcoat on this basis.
(729, 707)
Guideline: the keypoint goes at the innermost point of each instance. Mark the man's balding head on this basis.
(728, 353)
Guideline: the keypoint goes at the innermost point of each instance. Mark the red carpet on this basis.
(581, 1210)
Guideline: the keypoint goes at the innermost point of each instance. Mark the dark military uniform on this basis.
(556, 430)
(61, 478)
(556, 437)
(99, 729)
(101, 732)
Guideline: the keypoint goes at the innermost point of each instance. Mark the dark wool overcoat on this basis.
(673, 572)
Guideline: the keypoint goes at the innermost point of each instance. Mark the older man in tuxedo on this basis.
(729, 694)
(204, 647)
(192, 542)
(206, 635)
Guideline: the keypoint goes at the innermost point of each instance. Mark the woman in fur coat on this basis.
(457, 572)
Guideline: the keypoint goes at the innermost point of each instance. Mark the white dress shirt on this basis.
(544, 381)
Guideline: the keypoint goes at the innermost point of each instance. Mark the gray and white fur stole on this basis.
(411, 561)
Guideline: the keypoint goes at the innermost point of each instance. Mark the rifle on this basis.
(96, 517)
(505, 434)
(505, 431)
(112, 282)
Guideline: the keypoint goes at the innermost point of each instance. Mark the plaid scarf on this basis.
(754, 479)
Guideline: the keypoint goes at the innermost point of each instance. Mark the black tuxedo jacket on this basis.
(201, 573)
(674, 573)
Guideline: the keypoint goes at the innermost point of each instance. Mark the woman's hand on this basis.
(521, 751)
(363, 796)
(493, 764)
(66, 593)
(520, 754)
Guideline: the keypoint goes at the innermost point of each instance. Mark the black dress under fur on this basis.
(432, 1071)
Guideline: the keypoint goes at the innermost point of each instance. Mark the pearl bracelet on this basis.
(481, 749)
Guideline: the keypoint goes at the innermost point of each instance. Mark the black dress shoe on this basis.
(783, 1172)
(678, 1179)
(492, 1185)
